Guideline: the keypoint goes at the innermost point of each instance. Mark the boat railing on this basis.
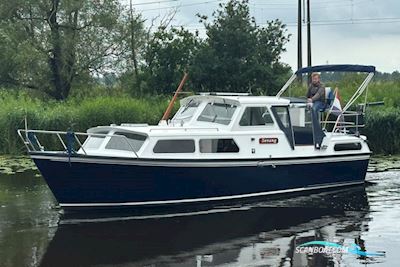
(348, 122)
(344, 121)
(185, 129)
(33, 144)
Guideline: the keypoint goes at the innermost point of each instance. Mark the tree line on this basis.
(53, 46)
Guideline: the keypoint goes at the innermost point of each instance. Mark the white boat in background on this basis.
(216, 147)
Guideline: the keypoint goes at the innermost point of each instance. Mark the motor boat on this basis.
(217, 147)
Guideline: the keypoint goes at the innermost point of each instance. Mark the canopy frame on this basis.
(329, 68)
(338, 68)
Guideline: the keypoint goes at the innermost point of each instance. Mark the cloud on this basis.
(343, 31)
(381, 51)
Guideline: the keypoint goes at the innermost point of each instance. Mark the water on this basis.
(34, 233)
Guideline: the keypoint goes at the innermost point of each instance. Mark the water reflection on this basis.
(27, 220)
(266, 233)
(257, 234)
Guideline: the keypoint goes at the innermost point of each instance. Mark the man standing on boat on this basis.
(316, 99)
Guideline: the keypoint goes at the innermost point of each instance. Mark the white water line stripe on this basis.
(180, 201)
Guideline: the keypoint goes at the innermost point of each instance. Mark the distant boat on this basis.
(218, 146)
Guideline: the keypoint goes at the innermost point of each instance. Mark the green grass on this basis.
(76, 114)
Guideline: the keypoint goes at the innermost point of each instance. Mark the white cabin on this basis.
(223, 127)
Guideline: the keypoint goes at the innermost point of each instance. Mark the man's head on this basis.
(315, 78)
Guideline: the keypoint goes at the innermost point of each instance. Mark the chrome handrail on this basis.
(184, 128)
(28, 142)
(340, 124)
(343, 122)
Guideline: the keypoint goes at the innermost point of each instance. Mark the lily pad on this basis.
(12, 164)
(381, 163)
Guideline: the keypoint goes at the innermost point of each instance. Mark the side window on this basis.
(348, 146)
(174, 146)
(94, 141)
(132, 141)
(256, 116)
(218, 146)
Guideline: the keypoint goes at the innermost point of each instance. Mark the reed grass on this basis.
(75, 114)
(383, 130)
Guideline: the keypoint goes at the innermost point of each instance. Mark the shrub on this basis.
(383, 130)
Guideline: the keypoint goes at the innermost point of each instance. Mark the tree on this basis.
(50, 44)
(238, 55)
(134, 37)
(168, 54)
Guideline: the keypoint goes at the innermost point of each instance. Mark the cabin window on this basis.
(256, 116)
(174, 146)
(218, 146)
(94, 141)
(217, 113)
(348, 146)
(186, 112)
(130, 142)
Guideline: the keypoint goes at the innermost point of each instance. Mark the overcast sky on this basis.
(343, 31)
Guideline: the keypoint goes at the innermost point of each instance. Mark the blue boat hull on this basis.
(83, 182)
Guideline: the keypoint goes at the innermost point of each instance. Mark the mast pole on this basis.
(172, 102)
(309, 33)
(299, 41)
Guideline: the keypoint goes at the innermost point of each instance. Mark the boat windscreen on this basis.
(185, 113)
(217, 113)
